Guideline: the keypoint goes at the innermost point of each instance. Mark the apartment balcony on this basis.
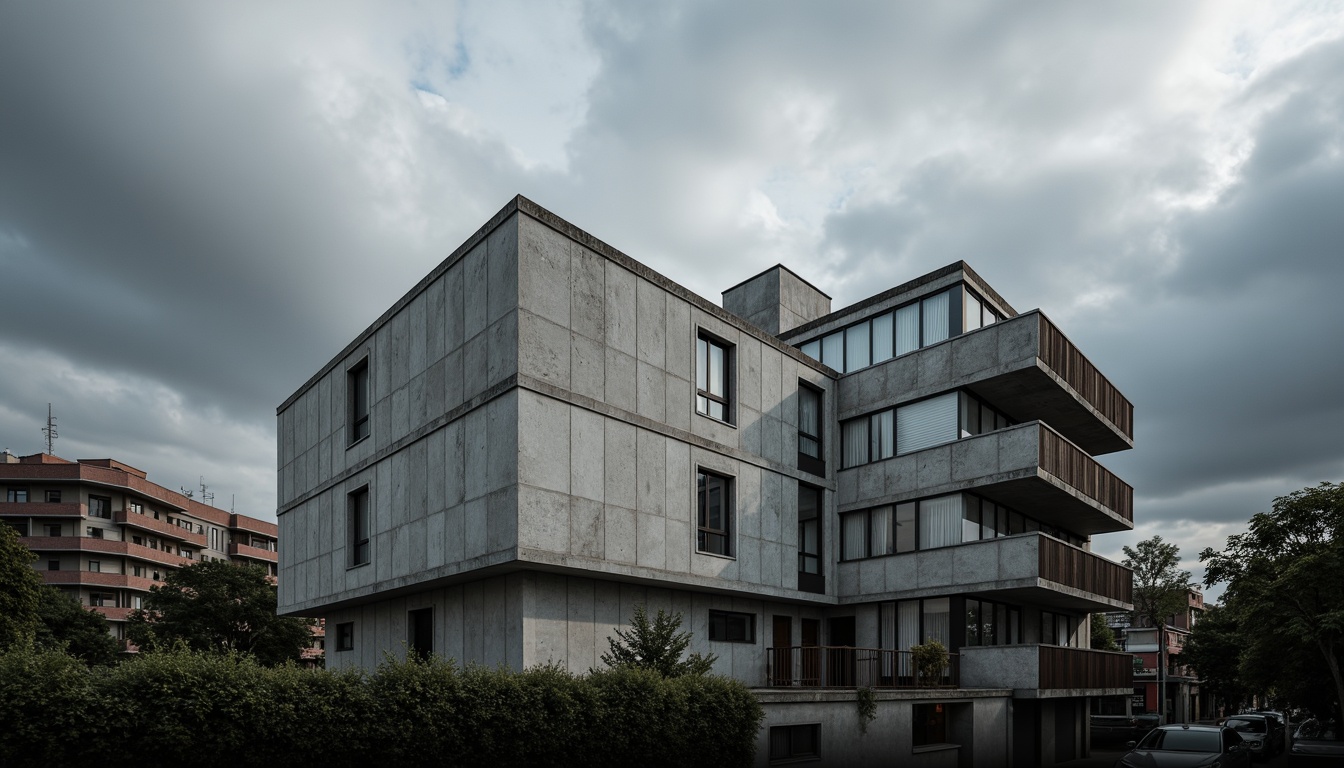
(161, 527)
(113, 614)
(42, 509)
(252, 553)
(88, 544)
(825, 666)
(1025, 568)
(1048, 671)
(1023, 366)
(92, 579)
(1029, 467)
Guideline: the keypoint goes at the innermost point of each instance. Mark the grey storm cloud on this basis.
(199, 206)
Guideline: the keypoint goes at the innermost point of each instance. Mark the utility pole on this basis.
(50, 430)
(1161, 672)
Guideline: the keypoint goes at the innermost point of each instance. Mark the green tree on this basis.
(20, 589)
(1214, 650)
(656, 646)
(65, 624)
(1103, 637)
(1285, 576)
(1160, 590)
(219, 607)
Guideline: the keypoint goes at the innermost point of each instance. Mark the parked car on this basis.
(1317, 743)
(1183, 746)
(1262, 734)
(1118, 729)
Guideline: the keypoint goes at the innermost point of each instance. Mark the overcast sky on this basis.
(201, 204)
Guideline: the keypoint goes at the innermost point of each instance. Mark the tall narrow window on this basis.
(882, 338)
(855, 446)
(809, 430)
(857, 351)
(937, 317)
(715, 513)
(359, 526)
(712, 361)
(907, 328)
(357, 388)
(420, 633)
(345, 636)
(809, 540)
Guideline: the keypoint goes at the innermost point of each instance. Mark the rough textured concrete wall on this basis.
(478, 622)
(1006, 666)
(1006, 563)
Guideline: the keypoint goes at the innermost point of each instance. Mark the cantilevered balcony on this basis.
(1025, 568)
(96, 579)
(1047, 671)
(252, 553)
(1029, 467)
(42, 509)
(1023, 366)
(161, 527)
(91, 545)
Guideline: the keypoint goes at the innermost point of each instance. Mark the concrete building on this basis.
(544, 433)
(104, 534)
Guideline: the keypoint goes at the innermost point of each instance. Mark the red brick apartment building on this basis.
(105, 534)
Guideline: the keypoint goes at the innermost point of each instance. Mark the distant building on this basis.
(1185, 702)
(104, 534)
(545, 433)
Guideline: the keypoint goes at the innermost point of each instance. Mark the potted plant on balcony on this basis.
(930, 661)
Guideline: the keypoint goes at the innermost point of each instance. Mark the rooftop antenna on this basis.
(232, 498)
(50, 429)
(206, 496)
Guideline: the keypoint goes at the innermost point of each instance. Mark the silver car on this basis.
(1188, 746)
(1317, 743)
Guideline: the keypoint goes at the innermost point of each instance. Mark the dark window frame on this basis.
(872, 457)
(808, 463)
(52, 496)
(703, 395)
(13, 495)
(707, 535)
(724, 627)
(790, 742)
(106, 507)
(20, 526)
(420, 633)
(345, 636)
(928, 724)
(359, 527)
(809, 581)
(357, 385)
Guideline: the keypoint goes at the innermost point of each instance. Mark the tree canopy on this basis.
(656, 646)
(219, 607)
(1103, 637)
(1214, 650)
(20, 589)
(1160, 586)
(1285, 580)
(82, 633)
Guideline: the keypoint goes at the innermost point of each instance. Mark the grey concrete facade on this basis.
(531, 463)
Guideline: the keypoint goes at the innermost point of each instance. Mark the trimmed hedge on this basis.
(189, 708)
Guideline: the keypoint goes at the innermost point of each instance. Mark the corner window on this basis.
(809, 430)
(53, 497)
(345, 636)
(795, 742)
(714, 515)
(357, 394)
(713, 360)
(358, 538)
(732, 627)
(17, 495)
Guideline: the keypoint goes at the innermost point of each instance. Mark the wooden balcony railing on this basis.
(825, 666)
(1062, 357)
(1083, 570)
(1075, 668)
(1071, 464)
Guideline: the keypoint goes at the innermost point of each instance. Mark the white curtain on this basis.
(856, 543)
(940, 522)
(926, 423)
(856, 347)
(937, 620)
(886, 634)
(907, 626)
(937, 312)
(882, 534)
(832, 351)
(907, 329)
(856, 442)
(882, 342)
(972, 312)
(883, 435)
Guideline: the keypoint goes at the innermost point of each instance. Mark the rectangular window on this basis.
(345, 636)
(714, 514)
(732, 627)
(930, 725)
(972, 312)
(20, 526)
(940, 521)
(937, 315)
(53, 565)
(907, 530)
(926, 423)
(96, 533)
(857, 352)
(713, 361)
(100, 506)
(882, 436)
(17, 495)
(1048, 629)
(95, 566)
(358, 513)
(53, 497)
(54, 530)
(833, 351)
(854, 536)
(809, 539)
(136, 507)
(138, 570)
(420, 633)
(795, 742)
(907, 328)
(883, 342)
(809, 429)
(357, 392)
(854, 448)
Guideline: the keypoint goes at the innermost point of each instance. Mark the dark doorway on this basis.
(840, 660)
(782, 652)
(420, 633)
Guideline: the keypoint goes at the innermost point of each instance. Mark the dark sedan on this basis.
(1188, 746)
(1263, 736)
